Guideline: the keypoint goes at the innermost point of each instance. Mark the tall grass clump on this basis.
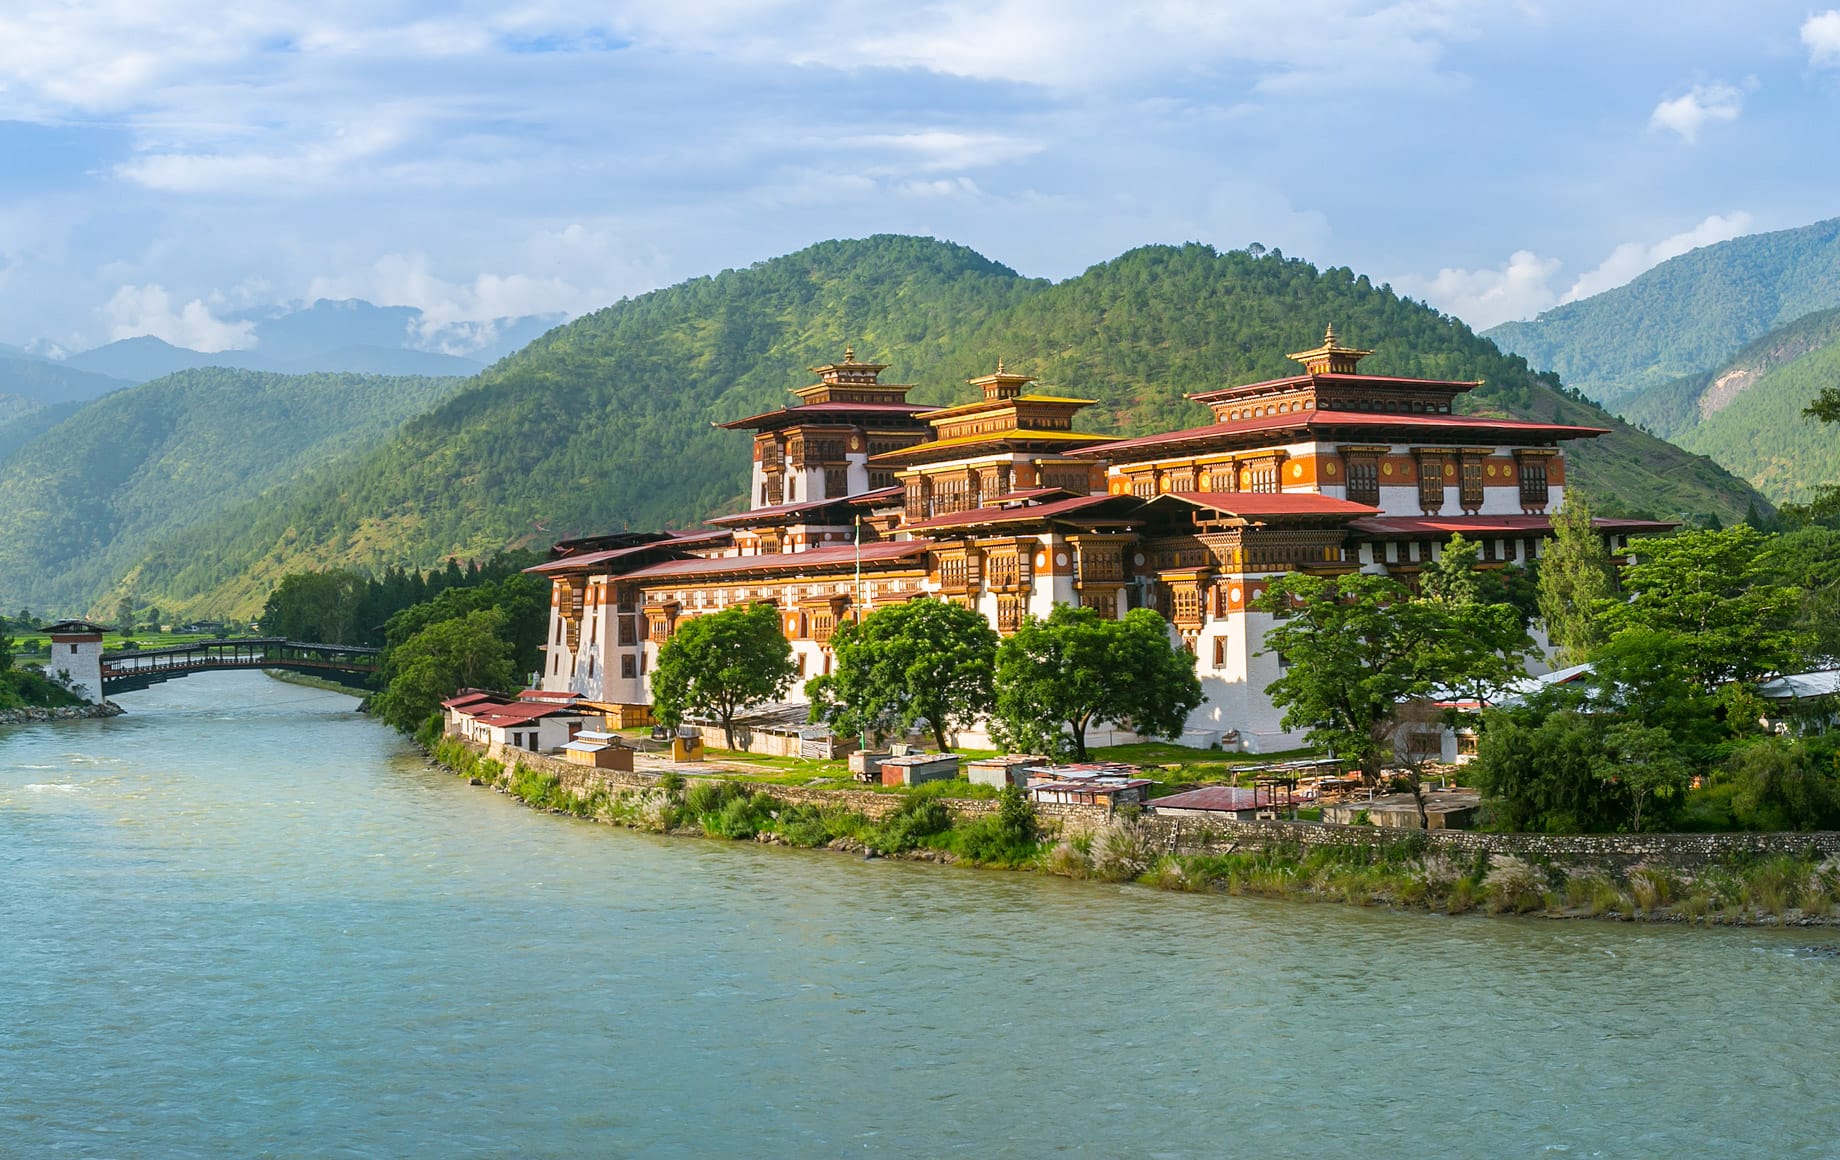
(1513, 886)
(1120, 851)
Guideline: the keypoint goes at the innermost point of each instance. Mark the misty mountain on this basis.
(343, 336)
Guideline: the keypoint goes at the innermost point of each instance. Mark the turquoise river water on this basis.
(244, 921)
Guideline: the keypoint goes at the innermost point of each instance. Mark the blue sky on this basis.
(167, 165)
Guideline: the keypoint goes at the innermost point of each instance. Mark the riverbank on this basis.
(1713, 880)
(31, 713)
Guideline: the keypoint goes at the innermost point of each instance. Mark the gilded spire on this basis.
(1331, 358)
(849, 353)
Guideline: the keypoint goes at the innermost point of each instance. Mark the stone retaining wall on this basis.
(1192, 835)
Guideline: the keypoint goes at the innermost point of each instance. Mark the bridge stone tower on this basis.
(76, 653)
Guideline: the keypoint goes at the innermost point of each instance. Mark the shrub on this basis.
(1121, 851)
(919, 818)
(1068, 861)
(1513, 886)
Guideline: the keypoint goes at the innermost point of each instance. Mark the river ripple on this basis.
(244, 921)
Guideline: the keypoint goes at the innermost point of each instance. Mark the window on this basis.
(517, 741)
(1220, 652)
(1466, 745)
(1364, 480)
(1431, 483)
(629, 668)
(1534, 489)
(1469, 491)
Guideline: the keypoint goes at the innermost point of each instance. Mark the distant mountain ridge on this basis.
(1685, 316)
(348, 336)
(82, 500)
(606, 422)
(1748, 413)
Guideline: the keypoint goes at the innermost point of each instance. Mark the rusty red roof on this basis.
(818, 412)
(779, 510)
(1254, 505)
(678, 542)
(842, 556)
(1358, 420)
(1441, 526)
(974, 517)
(1216, 797)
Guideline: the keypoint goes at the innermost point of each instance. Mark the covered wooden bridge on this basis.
(126, 671)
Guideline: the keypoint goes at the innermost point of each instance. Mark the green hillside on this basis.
(1749, 414)
(81, 502)
(1672, 408)
(1685, 316)
(605, 422)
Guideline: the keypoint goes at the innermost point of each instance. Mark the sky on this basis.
(167, 167)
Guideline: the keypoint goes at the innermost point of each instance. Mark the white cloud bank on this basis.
(1821, 37)
(138, 310)
(1703, 105)
(1526, 284)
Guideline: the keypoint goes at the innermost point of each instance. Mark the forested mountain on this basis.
(1748, 413)
(605, 422)
(80, 503)
(1684, 317)
(44, 382)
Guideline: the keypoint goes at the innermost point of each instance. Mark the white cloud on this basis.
(1632, 258)
(1703, 105)
(1821, 36)
(1526, 284)
(134, 311)
(1482, 298)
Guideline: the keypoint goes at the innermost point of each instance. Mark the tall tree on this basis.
(720, 664)
(465, 652)
(1715, 589)
(6, 647)
(1576, 578)
(1452, 579)
(1358, 647)
(919, 660)
(1058, 676)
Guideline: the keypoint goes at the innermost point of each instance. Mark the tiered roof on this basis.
(1007, 418)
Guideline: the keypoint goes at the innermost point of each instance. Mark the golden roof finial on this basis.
(849, 353)
(1329, 335)
(999, 366)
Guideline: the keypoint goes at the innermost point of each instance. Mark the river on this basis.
(244, 921)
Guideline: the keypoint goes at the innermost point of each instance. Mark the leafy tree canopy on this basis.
(720, 664)
(920, 660)
(1576, 579)
(1056, 677)
(1358, 646)
(449, 655)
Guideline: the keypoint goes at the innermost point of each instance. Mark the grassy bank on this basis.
(30, 689)
(724, 809)
(1404, 874)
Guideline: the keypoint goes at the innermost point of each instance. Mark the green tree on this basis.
(449, 655)
(1716, 590)
(1359, 646)
(921, 659)
(1056, 677)
(124, 615)
(720, 664)
(1576, 579)
(1452, 578)
(1538, 767)
(1645, 762)
(6, 647)
(315, 606)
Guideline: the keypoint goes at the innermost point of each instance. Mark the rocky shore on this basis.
(62, 713)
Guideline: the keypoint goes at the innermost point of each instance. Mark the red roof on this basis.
(1008, 515)
(677, 541)
(781, 509)
(1253, 505)
(869, 498)
(1440, 526)
(520, 713)
(475, 697)
(816, 412)
(844, 555)
(1270, 385)
(1363, 420)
